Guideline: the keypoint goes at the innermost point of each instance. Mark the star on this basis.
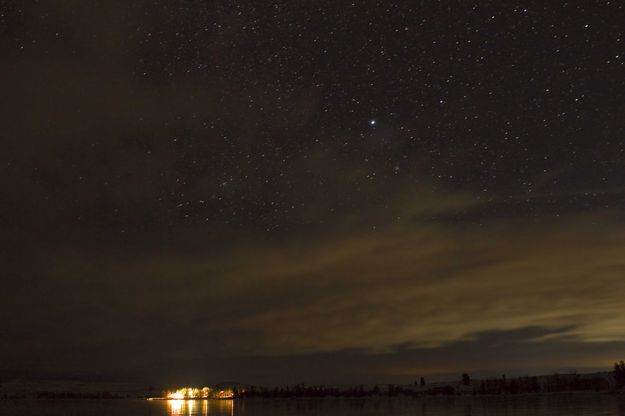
(372, 122)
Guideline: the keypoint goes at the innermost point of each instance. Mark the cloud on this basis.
(433, 286)
(403, 284)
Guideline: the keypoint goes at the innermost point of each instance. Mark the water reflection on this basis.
(556, 405)
(539, 405)
(202, 407)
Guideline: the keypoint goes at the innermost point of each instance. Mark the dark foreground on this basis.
(536, 405)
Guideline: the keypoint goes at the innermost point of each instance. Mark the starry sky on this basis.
(329, 191)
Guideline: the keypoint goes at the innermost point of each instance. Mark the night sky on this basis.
(328, 191)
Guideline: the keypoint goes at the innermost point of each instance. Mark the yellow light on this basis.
(225, 394)
(175, 407)
(197, 393)
(176, 395)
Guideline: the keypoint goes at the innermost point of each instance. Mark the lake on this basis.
(545, 405)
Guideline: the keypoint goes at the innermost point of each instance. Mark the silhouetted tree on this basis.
(619, 373)
(422, 381)
(466, 380)
(534, 385)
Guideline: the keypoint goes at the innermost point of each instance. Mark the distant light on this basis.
(192, 393)
(372, 122)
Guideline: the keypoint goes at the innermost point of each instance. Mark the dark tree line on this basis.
(301, 390)
(465, 385)
(544, 384)
(503, 385)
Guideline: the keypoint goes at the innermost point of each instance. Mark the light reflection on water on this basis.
(553, 405)
(204, 407)
(541, 405)
(547, 405)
